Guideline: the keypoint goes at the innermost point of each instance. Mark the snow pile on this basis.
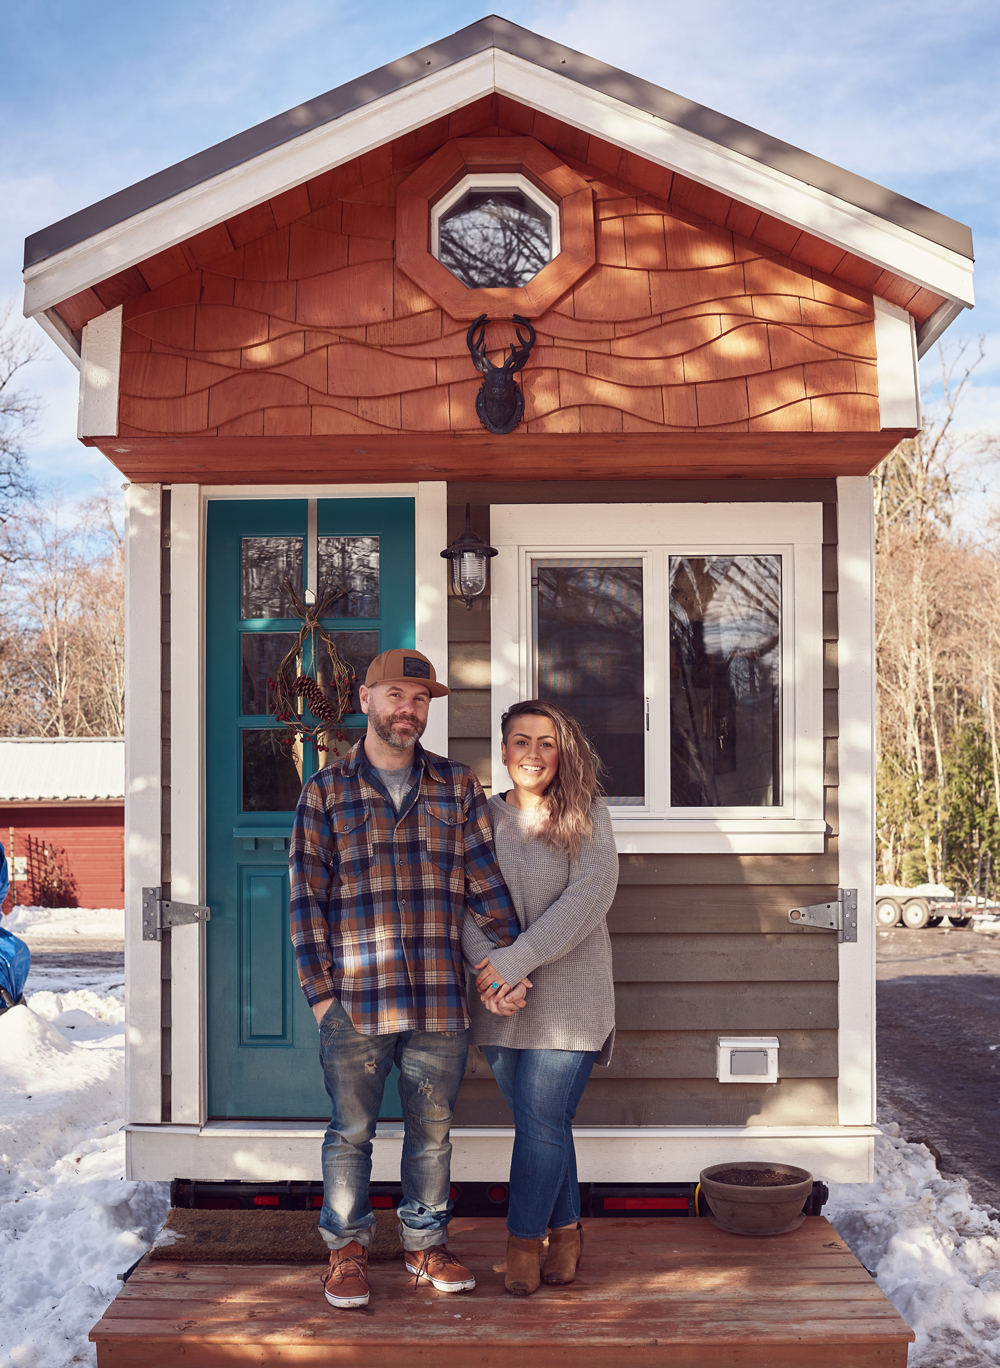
(39, 924)
(935, 1255)
(69, 1222)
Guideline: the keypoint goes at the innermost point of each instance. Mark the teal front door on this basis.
(262, 1037)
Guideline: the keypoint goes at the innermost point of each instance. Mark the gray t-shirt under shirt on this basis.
(397, 783)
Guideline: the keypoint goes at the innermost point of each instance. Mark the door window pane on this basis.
(588, 650)
(261, 653)
(271, 771)
(725, 658)
(350, 563)
(266, 562)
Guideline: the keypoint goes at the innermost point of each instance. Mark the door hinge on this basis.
(158, 916)
(840, 916)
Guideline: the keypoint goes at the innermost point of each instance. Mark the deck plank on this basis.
(659, 1290)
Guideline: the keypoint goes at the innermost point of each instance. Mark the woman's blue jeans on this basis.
(542, 1089)
(355, 1067)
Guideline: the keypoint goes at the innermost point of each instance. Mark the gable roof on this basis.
(918, 243)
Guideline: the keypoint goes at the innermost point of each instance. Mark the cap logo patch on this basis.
(416, 669)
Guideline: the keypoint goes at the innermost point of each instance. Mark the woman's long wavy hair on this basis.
(567, 822)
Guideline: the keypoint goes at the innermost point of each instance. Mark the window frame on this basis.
(655, 532)
(497, 180)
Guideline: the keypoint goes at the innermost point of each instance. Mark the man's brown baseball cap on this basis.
(406, 667)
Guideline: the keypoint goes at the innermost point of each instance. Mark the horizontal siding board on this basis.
(469, 712)
(830, 617)
(469, 665)
(727, 869)
(830, 676)
(831, 762)
(830, 520)
(670, 1102)
(760, 1008)
(830, 569)
(693, 958)
(474, 752)
(469, 624)
(831, 719)
(719, 910)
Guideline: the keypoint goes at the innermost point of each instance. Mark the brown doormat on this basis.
(261, 1237)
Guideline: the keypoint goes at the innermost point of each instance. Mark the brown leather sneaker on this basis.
(565, 1252)
(346, 1283)
(523, 1258)
(441, 1269)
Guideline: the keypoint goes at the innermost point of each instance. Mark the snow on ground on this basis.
(36, 925)
(69, 1222)
(935, 1255)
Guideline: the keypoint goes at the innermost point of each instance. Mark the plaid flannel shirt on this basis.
(378, 900)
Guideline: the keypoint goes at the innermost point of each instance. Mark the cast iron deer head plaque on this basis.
(499, 403)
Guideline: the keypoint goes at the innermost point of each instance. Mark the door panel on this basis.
(262, 1038)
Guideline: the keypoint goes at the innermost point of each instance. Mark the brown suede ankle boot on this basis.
(565, 1252)
(523, 1258)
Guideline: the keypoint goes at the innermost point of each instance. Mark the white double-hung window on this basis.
(687, 639)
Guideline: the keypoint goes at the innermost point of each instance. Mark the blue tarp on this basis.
(15, 957)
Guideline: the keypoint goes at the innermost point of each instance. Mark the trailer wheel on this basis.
(934, 921)
(916, 914)
(960, 921)
(887, 912)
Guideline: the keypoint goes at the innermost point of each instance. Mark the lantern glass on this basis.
(468, 574)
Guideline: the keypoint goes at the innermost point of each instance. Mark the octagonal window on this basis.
(494, 232)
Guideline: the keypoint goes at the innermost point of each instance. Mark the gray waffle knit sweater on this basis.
(564, 947)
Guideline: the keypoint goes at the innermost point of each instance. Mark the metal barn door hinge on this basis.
(840, 916)
(158, 916)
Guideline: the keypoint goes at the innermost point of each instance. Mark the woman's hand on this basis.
(506, 1004)
(489, 984)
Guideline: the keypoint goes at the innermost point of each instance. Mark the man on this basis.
(390, 846)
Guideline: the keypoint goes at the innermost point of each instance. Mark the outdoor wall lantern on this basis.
(469, 556)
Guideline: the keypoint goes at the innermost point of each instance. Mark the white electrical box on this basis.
(748, 1059)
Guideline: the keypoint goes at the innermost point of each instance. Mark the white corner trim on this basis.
(266, 1152)
(100, 366)
(432, 600)
(775, 192)
(898, 376)
(142, 797)
(856, 658)
(187, 881)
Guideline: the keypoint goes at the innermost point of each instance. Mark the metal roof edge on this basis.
(499, 33)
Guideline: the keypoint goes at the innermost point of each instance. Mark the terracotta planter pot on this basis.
(765, 1210)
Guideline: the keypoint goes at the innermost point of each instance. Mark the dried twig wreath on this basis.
(288, 685)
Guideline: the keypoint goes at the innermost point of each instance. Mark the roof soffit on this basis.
(575, 89)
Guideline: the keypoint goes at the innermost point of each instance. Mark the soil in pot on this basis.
(756, 1198)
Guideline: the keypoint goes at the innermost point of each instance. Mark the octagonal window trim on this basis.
(496, 180)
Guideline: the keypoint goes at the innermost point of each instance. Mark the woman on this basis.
(557, 853)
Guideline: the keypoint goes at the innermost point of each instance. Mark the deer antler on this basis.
(519, 355)
(477, 345)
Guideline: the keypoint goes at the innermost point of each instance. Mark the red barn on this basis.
(62, 820)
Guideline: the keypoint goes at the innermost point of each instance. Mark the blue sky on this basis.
(93, 97)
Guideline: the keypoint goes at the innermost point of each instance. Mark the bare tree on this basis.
(18, 408)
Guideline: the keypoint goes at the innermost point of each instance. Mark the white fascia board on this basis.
(773, 192)
(898, 377)
(241, 187)
(252, 182)
(100, 368)
(61, 334)
(605, 1154)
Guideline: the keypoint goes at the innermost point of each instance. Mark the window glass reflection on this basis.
(352, 564)
(495, 238)
(725, 616)
(266, 562)
(588, 639)
(260, 655)
(271, 771)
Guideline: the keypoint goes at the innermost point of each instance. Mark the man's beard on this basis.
(385, 725)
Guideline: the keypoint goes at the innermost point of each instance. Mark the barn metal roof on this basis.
(52, 769)
(494, 32)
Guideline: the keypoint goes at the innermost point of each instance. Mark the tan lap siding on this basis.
(702, 945)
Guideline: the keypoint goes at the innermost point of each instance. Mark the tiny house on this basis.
(277, 348)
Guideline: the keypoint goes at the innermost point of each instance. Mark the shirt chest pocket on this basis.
(445, 826)
(355, 843)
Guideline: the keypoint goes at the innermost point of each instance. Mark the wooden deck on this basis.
(664, 1292)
